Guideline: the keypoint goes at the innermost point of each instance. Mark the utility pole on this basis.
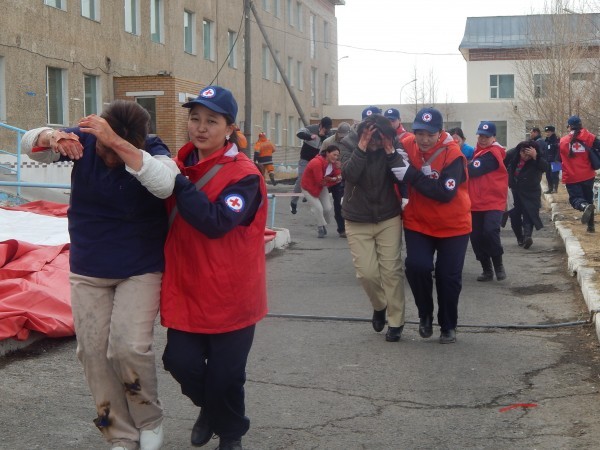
(247, 79)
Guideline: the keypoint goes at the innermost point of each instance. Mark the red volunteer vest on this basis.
(488, 192)
(578, 167)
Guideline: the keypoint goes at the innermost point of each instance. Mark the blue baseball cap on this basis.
(574, 121)
(392, 114)
(486, 129)
(217, 99)
(370, 111)
(428, 119)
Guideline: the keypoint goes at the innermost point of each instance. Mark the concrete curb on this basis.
(576, 263)
(281, 241)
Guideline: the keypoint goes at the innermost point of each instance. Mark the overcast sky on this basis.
(382, 42)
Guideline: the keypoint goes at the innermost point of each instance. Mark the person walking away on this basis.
(437, 221)
(313, 136)
(320, 173)
(552, 157)
(263, 156)
(459, 137)
(373, 224)
(488, 189)
(210, 304)
(525, 165)
(117, 228)
(337, 190)
(577, 172)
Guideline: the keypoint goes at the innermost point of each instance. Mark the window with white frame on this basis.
(2, 90)
(289, 12)
(157, 21)
(56, 92)
(299, 18)
(149, 104)
(312, 24)
(502, 86)
(276, 74)
(313, 86)
(277, 8)
(325, 34)
(265, 4)
(326, 90)
(540, 84)
(91, 94)
(277, 129)
(290, 70)
(291, 134)
(189, 32)
(265, 62)
(91, 9)
(299, 75)
(208, 34)
(132, 16)
(232, 48)
(266, 123)
(60, 4)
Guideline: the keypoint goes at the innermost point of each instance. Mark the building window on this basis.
(583, 76)
(156, 21)
(277, 8)
(312, 23)
(540, 83)
(149, 104)
(265, 62)
(291, 135)
(277, 129)
(91, 9)
(60, 4)
(299, 19)
(299, 141)
(266, 125)
(265, 4)
(231, 42)
(290, 70)
(450, 125)
(326, 34)
(313, 87)
(326, 90)
(2, 90)
(208, 33)
(189, 32)
(91, 97)
(56, 88)
(289, 12)
(501, 132)
(299, 75)
(132, 16)
(276, 74)
(502, 86)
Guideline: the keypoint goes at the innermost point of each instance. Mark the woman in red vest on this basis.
(577, 172)
(437, 221)
(488, 189)
(209, 302)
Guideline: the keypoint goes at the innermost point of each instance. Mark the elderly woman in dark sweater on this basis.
(525, 167)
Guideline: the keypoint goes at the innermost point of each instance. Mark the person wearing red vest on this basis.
(488, 189)
(209, 302)
(577, 172)
(321, 173)
(437, 220)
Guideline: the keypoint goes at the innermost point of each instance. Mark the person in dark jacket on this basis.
(551, 155)
(372, 210)
(525, 165)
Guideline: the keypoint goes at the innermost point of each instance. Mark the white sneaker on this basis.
(152, 439)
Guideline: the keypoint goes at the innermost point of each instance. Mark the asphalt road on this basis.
(325, 384)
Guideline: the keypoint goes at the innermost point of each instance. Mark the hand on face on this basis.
(100, 128)
(369, 138)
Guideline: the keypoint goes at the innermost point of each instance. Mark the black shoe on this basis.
(527, 242)
(201, 432)
(587, 213)
(293, 208)
(378, 320)
(520, 242)
(448, 337)
(304, 200)
(486, 276)
(549, 191)
(426, 326)
(229, 444)
(394, 333)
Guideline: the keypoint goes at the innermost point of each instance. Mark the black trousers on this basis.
(582, 192)
(337, 192)
(552, 178)
(211, 369)
(485, 237)
(520, 222)
(449, 262)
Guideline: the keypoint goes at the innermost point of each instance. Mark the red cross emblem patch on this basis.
(476, 163)
(450, 184)
(235, 202)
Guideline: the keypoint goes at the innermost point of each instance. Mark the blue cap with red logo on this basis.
(486, 128)
(217, 99)
(428, 119)
(370, 111)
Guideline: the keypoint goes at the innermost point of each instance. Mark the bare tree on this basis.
(424, 90)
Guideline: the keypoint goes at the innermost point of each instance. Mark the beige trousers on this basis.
(320, 206)
(114, 323)
(375, 249)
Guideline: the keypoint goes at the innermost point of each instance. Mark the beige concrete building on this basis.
(63, 59)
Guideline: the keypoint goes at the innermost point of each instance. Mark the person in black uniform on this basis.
(551, 155)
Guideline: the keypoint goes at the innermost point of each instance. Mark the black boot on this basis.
(487, 274)
(590, 227)
(556, 187)
(426, 326)
(499, 267)
(201, 432)
(527, 240)
(378, 320)
(588, 210)
(272, 177)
